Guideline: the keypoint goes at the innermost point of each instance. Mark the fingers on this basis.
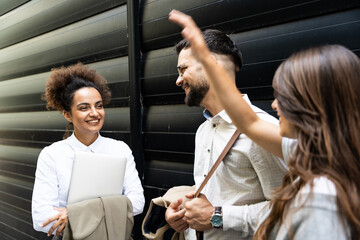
(191, 33)
(190, 29)
(176, 204)
(60, 229)
(62, 220)
(181, 18)
(176, 217)
(177, 220)
(59, 209)
(190, 194)
(53, 227)
(50, 220)
(181, 227)
(60, 224)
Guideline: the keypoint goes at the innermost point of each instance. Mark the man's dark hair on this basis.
(218, 42)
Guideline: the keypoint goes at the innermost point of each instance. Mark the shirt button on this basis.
(214, 125)
(208, 150)
(204, 175)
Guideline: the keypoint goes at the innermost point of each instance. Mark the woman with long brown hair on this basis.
(317, 96)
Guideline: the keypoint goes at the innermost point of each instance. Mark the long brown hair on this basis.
(318, 92)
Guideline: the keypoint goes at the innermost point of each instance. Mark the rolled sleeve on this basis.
(243, 219)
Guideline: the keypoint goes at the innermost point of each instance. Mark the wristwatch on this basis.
(216, 218)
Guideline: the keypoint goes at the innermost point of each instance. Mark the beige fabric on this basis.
(101, 218)
(171, 195)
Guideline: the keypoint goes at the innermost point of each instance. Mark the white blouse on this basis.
(53, 174)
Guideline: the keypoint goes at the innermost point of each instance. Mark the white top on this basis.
(53, 174)
(288, 146)
(310, 215)
(247, 175)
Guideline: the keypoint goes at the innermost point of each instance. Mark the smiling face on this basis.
(287, 129)
(191, 78)
(87, 114)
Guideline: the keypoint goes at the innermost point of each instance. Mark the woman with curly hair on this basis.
(80, 94)
(317, 101)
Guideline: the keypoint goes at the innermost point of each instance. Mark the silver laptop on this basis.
(96, 175)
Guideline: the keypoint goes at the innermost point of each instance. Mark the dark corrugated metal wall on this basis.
(40, 34)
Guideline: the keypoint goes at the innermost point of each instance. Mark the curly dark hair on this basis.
(65, 81)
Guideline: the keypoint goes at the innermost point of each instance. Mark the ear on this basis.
(67, 116)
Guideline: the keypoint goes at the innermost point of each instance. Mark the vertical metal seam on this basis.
(134, 84)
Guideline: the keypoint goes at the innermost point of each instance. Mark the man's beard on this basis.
(196, 94)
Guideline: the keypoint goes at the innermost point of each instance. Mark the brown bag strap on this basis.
(218, 161)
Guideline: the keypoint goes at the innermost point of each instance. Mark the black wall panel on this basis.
(230, 15)
(38, 35)
(8, 5)
(93, 39)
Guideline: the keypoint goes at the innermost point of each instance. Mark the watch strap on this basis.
(217, 214)
(218, 210)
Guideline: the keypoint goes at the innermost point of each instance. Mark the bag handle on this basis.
(218, 161)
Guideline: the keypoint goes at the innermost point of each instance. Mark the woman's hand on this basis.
(192, 33)
(60, 224)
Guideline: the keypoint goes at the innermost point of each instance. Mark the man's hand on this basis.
(198, 213)
(175, 216)
(61, 218)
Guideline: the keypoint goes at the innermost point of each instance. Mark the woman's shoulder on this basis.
(113, 143)
(320, 185)
(288, 146)
(56, 146)
(318, 194)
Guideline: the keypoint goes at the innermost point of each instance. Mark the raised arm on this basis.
(263, 133)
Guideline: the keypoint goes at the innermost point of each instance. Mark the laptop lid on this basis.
(96, 175)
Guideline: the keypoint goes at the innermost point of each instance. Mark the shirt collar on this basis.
(79, 146)
(222, 115)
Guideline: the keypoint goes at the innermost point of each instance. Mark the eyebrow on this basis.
(88, 104)
(181, 65)
(185, 64)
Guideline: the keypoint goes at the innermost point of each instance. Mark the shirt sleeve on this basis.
(132, 185)
(269, 169)
(45, 192)
(245, 218)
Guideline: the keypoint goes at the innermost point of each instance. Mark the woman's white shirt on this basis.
(53, 174)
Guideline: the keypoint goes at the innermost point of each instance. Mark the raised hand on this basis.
(191, 33)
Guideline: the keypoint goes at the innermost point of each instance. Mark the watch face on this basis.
(216, 220)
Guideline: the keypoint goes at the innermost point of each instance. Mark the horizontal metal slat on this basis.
(8, 5)
(24, 93)
(115, 118)
(157, 174)
(105, 34)
(38, 17)
(263, 51)
(230, 16)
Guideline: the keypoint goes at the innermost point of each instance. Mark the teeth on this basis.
(94, 121)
